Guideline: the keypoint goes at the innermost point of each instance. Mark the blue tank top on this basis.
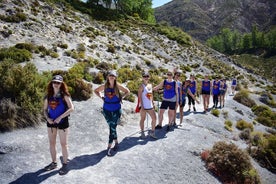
(169, 89)
(184, 91)
(206, 85)
(56, 107)
(216, 87)
(111, 100)
(234, 82)
(193, 87)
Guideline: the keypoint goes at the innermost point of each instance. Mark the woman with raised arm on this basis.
(112, 106)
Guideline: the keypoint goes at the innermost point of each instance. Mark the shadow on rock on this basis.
(129, 141)
(35, 177)
(83, 161)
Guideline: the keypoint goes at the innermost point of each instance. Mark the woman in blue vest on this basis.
(57, 107)
(215, 92)
(112, 106)
(222, 91)
(193, 91)
(170, 98)
(205, 92)
(185, 90)
(234, 85)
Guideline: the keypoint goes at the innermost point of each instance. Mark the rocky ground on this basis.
(173, 158)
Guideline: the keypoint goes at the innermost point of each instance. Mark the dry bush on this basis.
(231, 164)
(243, 98)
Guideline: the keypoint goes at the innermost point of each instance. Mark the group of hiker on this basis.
(58, 105)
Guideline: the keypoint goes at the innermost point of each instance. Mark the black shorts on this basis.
(62, 125)
(166, 104)
(203, 92)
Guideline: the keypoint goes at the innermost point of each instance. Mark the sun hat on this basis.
(57, 78)
(112, 72)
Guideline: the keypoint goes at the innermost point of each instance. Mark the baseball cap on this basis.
(57, 78)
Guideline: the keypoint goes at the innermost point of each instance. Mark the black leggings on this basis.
(215, 100)
(191, 100)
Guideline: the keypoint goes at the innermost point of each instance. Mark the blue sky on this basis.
(156, 3)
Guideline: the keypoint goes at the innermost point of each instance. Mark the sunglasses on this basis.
(169, 74)
(111, 75)
(56, 82)
(146, 76)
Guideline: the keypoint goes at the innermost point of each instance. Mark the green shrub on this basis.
(28, 46)
(228, 125)
(21, 92)
(265, 115)
(111, 48)
(99, 78)
(17, 55)
(241, 125)
(215, 112)
(231, 164)
(245, 134)
(265, 153)
(243, 98)
(65, 28)
(17, 17)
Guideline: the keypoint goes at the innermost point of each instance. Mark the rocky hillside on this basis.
(205, 18)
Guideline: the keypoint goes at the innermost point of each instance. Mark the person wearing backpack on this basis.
(112, 100)
(145, 97)
(57, 107)
(170, 98)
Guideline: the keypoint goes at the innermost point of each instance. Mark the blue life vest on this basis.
(111, 101)
(169, 89)
(56, 107)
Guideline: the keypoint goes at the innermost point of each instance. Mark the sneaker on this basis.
(158, 127)
(152, 135)
(189, 110)
(174, 124)
(168, 128)
(116, 147)
(194, 109)
(108, 152)
(63, 170)
(143, 136)
(51, 166)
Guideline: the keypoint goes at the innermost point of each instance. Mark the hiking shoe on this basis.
(194, 109)
(108, 152)
(174, 124)
(158, 127)
(63, 170)
(51, 166)
(116, 147)
(143, 136)
(189, 110)
(168, 128)
(152, 135)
